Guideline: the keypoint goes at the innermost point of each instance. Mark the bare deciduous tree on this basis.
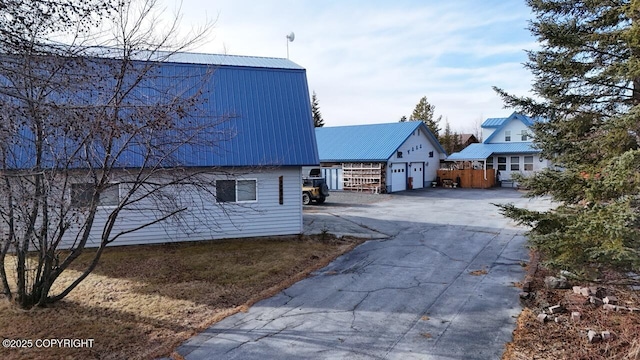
(89, 120)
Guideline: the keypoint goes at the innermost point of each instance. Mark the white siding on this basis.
(516, 127)
(416, 149)
(209, 220)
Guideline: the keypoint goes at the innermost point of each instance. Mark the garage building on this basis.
(379, 157)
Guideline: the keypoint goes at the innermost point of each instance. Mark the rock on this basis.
(575, 316)
(525, 295)
(593, 336)
(610, 300)
(586, 292)
(526, 287)
(599, 292)
(606, 335)
(555, 309)
(595, 300)
(542, 318)
(610, 307)
(577, 289)
(552, 282)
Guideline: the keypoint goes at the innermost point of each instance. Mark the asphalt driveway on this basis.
(435, 282)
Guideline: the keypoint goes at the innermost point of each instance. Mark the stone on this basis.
(524, 295)
(610, 300)
(552, 282)
(593, 336)
(526, 287)
(542, 318)
(610, 307)
(595, 300)
(606, 335)
(575, 316)
(555, 309)
(586, 292)
(577, 289)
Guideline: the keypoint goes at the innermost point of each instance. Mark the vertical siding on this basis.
(208, 220)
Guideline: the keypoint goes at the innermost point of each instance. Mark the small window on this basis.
(430, 154)
(524, 135)
(502, 163)
(236, 190)
(515, 163)
(528, 163)
(81, 195)
(507, 135)
(399, 154)
(489, 162)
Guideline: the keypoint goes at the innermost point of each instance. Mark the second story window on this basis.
(524, 135)
(507, 135)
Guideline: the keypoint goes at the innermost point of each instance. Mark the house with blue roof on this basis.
(263, 136)
(507, 148)
(379, 157)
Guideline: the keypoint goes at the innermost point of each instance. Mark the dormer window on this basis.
(507, 135)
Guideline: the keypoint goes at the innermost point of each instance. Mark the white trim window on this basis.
(81, 194)
(502, 163)
(528, 163)
(515, 163)
(236, 191)
(507, 135)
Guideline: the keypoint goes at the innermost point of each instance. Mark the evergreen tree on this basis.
(447, 139)
(315, 111)
(424, 112)
(587, 73)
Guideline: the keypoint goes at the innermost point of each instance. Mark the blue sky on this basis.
(371, 61)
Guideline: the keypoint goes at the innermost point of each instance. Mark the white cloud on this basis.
(371, 61)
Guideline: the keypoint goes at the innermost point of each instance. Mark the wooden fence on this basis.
(470, 178)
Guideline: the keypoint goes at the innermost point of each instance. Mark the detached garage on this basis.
(379, 157)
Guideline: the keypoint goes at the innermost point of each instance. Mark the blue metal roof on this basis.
(197, 58)
(261, 107)
(376, 142)
(499, 122)
(493, 122)
(483, 151)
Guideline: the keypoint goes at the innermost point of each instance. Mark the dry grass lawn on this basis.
(143, 301)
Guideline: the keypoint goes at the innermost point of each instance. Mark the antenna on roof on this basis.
(290, 38)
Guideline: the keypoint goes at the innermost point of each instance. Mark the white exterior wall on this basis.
(508, 173)
(416, 149)
(515, 126)
(208, 220)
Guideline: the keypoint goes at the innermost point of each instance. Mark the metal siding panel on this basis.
(265, 218)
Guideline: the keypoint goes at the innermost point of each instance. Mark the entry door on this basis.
(417, 173)
(398, 177)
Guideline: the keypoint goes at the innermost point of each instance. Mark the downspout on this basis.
(485, 169)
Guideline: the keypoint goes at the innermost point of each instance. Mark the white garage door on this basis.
(417, 173)
(398, 177)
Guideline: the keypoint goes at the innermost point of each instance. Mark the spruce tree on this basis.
(315, 111)
(587, 84)
(425, 112)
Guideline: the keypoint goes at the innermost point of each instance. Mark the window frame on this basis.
(528, 163)
(507, 135)
(74, 203)
(235, 190)
(502, 166)
(514, 166)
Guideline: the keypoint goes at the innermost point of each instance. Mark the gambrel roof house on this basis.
(379, 157)
(266, 102)
(507, 147)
